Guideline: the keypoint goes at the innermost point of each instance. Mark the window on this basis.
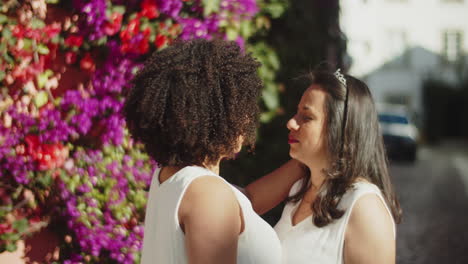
(452, 45)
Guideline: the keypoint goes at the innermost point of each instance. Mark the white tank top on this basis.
(306, 243)
(163, 241)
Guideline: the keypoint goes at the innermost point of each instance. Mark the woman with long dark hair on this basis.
(341, 206)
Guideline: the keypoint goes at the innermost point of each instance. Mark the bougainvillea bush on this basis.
(66, 159)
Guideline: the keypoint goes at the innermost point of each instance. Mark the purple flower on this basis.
(92, 19)
(240, 9)
(193, 28)
(170, 7)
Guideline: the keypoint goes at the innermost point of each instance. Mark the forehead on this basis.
(313, 99)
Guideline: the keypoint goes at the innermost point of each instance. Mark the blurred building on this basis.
(396, 44)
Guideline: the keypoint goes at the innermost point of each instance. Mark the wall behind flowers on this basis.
(67, 163)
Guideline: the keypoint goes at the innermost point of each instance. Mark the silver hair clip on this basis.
(340, 77)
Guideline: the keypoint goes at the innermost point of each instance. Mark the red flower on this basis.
(74, 41)
(161, 40)
(52, 30)
(47, 156)
(18, 32)
(33, 143)
(149, 9)
(134, 25)
(146, 32)
(5, 228)
(124, 48)
(87, 63)
(143, 46)
(70, 57)
(125, 35)
(113, 26)
(51, 156)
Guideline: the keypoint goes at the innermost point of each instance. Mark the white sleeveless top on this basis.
(163, 241)
(306, 243)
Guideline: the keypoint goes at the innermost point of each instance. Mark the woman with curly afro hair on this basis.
(193, 104)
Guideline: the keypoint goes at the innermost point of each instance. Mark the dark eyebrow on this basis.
(309, 110)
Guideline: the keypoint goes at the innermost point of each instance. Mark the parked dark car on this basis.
(399, 133)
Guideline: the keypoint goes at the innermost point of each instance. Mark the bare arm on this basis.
(268, 191)
(370, 236)
(210, 217)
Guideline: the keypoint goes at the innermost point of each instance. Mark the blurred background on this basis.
(73, 184)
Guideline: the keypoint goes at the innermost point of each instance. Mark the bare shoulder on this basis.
(371, 227)
(208, 197)
(370, 213)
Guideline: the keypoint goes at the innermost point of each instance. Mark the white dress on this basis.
(163, 241)
(306, 243)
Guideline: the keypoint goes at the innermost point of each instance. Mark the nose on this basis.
(292, 124)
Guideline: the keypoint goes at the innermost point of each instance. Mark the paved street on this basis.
(433, 194)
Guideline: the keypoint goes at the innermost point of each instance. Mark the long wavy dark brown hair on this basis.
(355, 146)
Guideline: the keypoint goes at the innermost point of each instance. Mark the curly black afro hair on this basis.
(191, 101)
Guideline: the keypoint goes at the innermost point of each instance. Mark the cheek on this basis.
(316, 139)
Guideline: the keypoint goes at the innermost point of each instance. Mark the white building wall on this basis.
(380, 31)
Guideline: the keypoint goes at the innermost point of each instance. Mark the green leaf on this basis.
(273, 60)
(210, 6)
(45, 180)
(20, 225)
(246, 29)
(270, 99)
(43, 78)
(6, 33)
(8, 58)
(231, 33)
(3, 18)
(27, 44)
(2, 75)
(55, 39)
(11, 247)
(102, 41)
(267, 116)
(41, 99)
(43, 49)
(52, 1)
(275, 9)
(37, 23)
(118, 9)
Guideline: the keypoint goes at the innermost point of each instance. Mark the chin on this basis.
(292, 154)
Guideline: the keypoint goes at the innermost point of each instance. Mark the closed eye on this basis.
(306, 118)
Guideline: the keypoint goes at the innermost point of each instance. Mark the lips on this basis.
(292, 140)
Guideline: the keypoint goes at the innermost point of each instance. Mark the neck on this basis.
(317, 175)
(214, 167)
(171, 170)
